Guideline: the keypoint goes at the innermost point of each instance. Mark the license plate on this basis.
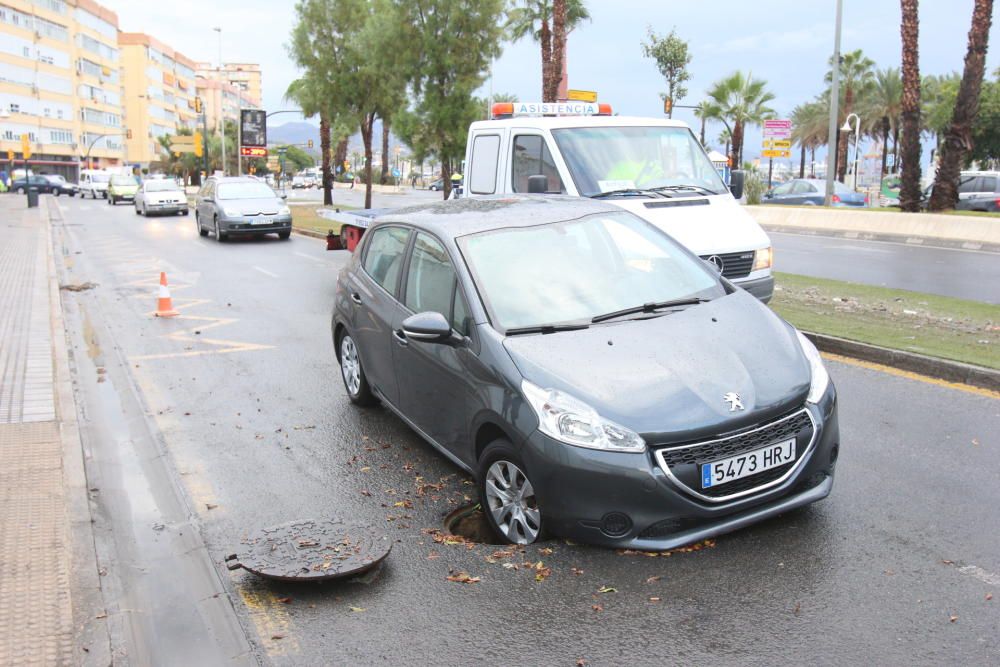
(728, 470)
(263, 221)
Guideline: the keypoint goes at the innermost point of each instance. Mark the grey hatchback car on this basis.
(240, 206)
(599, 381)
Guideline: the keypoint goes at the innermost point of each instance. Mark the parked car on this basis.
(22, 185)
(298, 182)
(94, 182)
(240, 206)
(160, 196)
(60, 186)
(979, 191)
(598, 380)
(812, 192)
(122, 188)
(437, 185)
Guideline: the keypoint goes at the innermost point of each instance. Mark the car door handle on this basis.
(356, 298)
(400, 337)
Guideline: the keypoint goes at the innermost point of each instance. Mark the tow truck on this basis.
(652, 167)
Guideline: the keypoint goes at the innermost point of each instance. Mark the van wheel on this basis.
(507, 495)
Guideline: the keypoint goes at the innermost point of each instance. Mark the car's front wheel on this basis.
(197, 223)
(219, 236)
(507, 495)
(353, 374)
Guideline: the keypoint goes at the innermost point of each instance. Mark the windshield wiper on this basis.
(647, 308)
(623, 191)
(675, 188)
(547, 328)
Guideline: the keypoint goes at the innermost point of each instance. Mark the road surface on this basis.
(243, 394)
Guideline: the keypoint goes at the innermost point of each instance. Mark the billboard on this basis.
(253, 128)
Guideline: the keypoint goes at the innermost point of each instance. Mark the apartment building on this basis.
(244, 77)
(60, 84)
(221, 99)
(159, 85)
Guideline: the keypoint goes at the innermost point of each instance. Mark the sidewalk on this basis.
(36, 529)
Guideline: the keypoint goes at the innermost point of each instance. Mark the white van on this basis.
(653, 167)
(94, 182)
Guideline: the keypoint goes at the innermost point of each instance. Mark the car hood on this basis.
(265, 205)
(666, 377)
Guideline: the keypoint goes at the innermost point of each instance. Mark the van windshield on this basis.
(605, 159)
(100, 178)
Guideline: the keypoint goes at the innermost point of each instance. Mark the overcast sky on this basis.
(786, 42)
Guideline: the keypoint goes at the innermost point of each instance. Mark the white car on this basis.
(94, 182)
(160, 196)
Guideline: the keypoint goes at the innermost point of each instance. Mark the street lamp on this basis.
(857, 135)
(222, 103)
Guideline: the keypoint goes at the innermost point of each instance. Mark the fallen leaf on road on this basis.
(597, 607)
(210, 506)
(575, 570)
(580, 662)
(546, 551)
(463, 578)
(104, 615)
(953, 618)
(366, 469)
(798, 605)
(654, 599)
(975, 441)
(277, 636)
(654, 579)
(947, 562)
(287, 600)
(989, 596)
(607, 589)
(433, 555)
(357, 609)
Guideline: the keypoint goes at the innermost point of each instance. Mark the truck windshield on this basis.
(606, 159)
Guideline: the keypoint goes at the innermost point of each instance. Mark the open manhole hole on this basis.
(470, 523)
(312, 550)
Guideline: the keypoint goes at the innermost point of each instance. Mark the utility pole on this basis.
(204, 146)
(222, 102)
(833, 136)
(239, 138)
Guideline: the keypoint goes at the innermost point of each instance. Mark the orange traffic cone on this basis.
(165, 306)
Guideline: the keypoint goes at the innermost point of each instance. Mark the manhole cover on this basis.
(312, 550)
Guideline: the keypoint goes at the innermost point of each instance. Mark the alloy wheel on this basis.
(511, 500)
(350, 366)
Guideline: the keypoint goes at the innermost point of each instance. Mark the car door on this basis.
(967, 189)
(985, 195)
(781, 194)
(374, 308)
(204, 204)
(806, 193)
(436, 389)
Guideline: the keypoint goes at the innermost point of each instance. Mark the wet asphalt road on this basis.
(244, 392)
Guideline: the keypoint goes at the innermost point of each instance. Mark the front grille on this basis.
(734, 264)
(683, 462)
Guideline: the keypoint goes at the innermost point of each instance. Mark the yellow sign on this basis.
(581, 95)
(25, 146)
(775, 153)
(777, 144)
(199, 144)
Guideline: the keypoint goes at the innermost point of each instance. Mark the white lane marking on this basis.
(302, 254)
(981, 574)
(265, 272)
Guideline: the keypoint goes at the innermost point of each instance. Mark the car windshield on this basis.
(605, 159)
(56, 179)
(123, 180)
(100, 178)
(247, 190)
(575, 270)
(161, 186)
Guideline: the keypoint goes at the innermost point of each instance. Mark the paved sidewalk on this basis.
(36, 616)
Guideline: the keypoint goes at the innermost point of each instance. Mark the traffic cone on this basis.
(165, 305)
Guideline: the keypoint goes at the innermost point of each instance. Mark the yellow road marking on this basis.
(271, 620)
(909, 375)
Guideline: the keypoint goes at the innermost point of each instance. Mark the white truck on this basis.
(654, 168)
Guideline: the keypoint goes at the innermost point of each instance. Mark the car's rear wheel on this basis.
(507, 495)
(353, 374)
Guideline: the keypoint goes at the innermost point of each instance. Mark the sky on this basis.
(786, 42)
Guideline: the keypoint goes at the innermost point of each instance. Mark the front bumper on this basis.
(122, 196)
(166, 208)
(246, 225)
(762, 288)
(579, 488)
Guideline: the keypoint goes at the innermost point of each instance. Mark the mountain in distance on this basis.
(300, 132)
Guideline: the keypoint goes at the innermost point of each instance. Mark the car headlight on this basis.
(574, 422)
(762, 259)
(820, 377)
(284, 210)
(231, 213)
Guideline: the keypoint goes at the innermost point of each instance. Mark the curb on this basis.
(951, 371)
(926, 241)
(310, 233)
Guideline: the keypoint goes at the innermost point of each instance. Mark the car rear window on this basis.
(384, 256)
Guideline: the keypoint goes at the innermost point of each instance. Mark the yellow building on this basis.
(216, 96)
(159, 87)
(60, 84)
(244, 77)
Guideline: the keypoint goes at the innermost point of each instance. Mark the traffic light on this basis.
(25, 146)
(347, 165)
(310, 143)
(10, 155)
(668, 105)
(128, 134)
(197, 105)
(198, 148)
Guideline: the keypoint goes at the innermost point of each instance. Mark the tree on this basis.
(672, 58)
(880, 110)
(809, 129)
(535, 17)
(909, 187)
(296, 158)
(957, 143)
(856, 78)
(453, 42)
(307, 95)
(741, 100)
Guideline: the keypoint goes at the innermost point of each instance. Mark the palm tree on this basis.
(958, 136)
(534, 18)
(727, 139)
(741, 100)
(306, 95)
(809, 129)
(857, 76)
(880, 110)
(909, 187)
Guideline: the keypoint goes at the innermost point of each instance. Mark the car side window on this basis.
(801, 188)
(532, 158)
(783, 189)
(459, 312)
(430, 280)
(967, 184)
(384, 256)
(987, 184)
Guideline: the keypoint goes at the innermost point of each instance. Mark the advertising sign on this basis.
(253, 128)
(253, 151)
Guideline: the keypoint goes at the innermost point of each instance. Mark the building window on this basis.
(59, 114)
(47, 112)
(15, 108)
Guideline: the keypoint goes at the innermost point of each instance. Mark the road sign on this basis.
(777, 129)
(581, 95)
(774, 153)
(395, 173)
(777, 144)
(253, 128)
(253, 151)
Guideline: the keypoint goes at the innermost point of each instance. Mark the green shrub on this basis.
(754, 187)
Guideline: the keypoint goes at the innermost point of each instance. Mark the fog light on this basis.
(834, 453)
(615, 524)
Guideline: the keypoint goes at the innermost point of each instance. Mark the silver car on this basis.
(238, 206)
(160, 196)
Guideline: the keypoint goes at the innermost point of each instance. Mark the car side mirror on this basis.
(736, 180)
(429, 326)
(284, 196)
(538, 184)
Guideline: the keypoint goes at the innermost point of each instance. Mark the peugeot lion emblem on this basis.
(734, 401)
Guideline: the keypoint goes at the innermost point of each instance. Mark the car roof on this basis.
(555, 122)
(461, 217)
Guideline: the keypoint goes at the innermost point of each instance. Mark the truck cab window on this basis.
(531, 157)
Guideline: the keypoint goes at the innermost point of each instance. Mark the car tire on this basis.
(184, 212)
(20, 191)
(219, 236)
(352, 373)
(507, 496)
(197, 223)
(137, 211)
(284, 236)
(55, 193)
